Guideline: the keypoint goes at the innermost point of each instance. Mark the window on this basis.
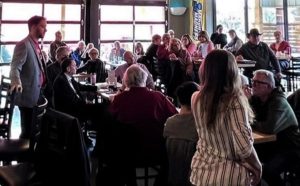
(14, 16)
(294, 27)
(130, 23)
(231, 18)
(267, 16)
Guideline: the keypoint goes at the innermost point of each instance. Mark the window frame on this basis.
(132, 3)
(246, 17)
(49, 22)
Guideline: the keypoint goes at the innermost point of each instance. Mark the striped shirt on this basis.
(217, 160)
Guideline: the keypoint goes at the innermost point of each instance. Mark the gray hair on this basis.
(135, 76)
(269, 76)
(60, 51)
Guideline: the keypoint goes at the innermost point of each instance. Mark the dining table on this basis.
(245, 63)
(260, 137)
(107, 91)
(114, 64)
(81, 77)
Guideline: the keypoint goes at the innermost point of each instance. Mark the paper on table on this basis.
(111, 79)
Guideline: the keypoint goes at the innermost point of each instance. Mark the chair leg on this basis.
(146, 176)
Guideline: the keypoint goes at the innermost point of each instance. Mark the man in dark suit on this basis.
(28, 74)
(68, 97)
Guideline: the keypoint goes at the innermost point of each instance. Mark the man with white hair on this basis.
(140, 104)
(142, 113)
(273, 115)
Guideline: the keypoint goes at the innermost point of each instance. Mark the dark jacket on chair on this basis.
(62, 154)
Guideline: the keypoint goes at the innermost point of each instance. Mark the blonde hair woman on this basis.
(225, 153)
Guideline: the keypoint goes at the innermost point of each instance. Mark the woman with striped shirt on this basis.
(225, 153)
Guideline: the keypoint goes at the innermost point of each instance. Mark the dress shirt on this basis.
(70, 79)
(41, 60)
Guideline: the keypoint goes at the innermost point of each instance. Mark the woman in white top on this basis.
(204, 47)
(225, 153)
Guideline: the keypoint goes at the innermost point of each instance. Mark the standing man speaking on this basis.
(28, 73)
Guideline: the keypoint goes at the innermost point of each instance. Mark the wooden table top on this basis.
(245, 63)
(114, 64)
(241, 65)
(263, 138)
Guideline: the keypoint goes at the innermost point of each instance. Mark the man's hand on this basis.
(17, 87)
(247, 91)
(173, 57)
(239, 57)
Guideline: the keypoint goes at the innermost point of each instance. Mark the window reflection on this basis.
(118, 23)
(267, 17)
(116, 13)
(149, 13)
(70, 32)
(13, 32)
(294, 28)
(20, 11)
(231, 18)
(145, 31)
(6, 53)
(62, 12)
(105, 49)
(116, 31)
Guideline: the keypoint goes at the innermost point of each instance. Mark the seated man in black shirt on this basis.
(260, 52)
(218, 38)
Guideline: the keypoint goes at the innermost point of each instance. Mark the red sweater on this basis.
(140, 105)
(283, 46)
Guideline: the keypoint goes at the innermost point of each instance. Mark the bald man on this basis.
(130, 59)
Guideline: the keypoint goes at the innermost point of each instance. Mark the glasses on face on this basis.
(257, 82)
(94, 53)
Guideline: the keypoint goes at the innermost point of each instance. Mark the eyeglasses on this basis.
(94, 53)
(255, 82)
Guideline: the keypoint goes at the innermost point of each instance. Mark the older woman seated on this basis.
(139, 104)
(181, 66)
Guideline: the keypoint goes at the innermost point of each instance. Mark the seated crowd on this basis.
(209, 141)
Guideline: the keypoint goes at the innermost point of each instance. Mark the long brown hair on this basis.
(220, 84)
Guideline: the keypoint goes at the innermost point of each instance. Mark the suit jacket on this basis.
(26, 68)
(65, 99)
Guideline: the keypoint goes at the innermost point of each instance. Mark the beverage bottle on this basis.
(93, 78)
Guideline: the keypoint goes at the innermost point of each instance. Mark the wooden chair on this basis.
(10, 149)
(15, 149)
(6, 108)
(130, 147)
(293, 74)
